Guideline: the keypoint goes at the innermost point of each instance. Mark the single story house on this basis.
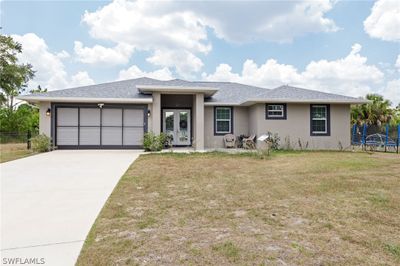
(117, 114)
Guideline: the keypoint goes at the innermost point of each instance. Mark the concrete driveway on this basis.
(50, 201)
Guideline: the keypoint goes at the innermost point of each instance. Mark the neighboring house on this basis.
(198, 114)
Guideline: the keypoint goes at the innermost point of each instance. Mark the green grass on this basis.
(146, 223)
(379, 199)
(394, 250)
(298, 208)
(227, 249)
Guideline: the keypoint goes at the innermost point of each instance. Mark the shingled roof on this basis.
(227, 92)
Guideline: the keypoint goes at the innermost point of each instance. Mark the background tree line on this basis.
(20, 117)
(15, 116)
(378, 112)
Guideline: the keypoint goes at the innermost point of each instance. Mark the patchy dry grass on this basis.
(300, 208)
(13, 151)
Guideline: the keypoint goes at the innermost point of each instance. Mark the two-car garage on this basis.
(99, 126)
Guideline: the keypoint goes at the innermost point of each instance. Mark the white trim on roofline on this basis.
(84, 100)
(220, 104)
(283, 100)
(208, 91)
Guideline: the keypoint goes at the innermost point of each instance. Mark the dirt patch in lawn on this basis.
(294, 208)
(13, 151)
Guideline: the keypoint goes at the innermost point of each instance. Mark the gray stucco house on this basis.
(198, 114)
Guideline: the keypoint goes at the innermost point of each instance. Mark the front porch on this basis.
(192, 150)
(180, 116)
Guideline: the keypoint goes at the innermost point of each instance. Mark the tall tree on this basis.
(39, 89)
(13, 76)
(376, 112)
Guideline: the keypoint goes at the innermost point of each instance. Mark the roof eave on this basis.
(221, 104)
(283, 100)
(147, 89)
(36, 99)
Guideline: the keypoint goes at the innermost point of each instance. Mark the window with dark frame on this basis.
(275, 111)
(320, 120)
(223, 120)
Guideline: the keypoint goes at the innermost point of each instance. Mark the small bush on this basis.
(302, 146)
(41, 143)
(153, 142)
(340, 146)
(288, 145)
(274, 140)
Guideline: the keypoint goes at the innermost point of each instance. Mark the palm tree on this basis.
(376, 112)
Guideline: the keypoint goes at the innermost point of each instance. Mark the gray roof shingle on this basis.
(289, 92)
(228, 92)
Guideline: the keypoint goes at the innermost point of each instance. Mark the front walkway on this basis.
(50, 201)
(190, 150)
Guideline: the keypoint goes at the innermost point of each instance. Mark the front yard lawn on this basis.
(307, 208)
(13, 151)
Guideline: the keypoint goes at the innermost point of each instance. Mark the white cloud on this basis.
(277, 21)
(392, 91)
(183, 61)
(140, 24)
(397, 64)
(170, 36)
(350, 75)
(223, 72)
(120, 54)
(174, 30)
(270, 74)
(384, 21)
(135, 72)
(63, 54)
(81, 79)
(50, 70)
(49, 67)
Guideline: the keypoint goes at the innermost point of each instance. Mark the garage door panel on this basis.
(67, 136)
(111, 117)
(92, 126)
(89, 136)
(67, 117)
(111, 136)
(89, 117)
(133, 117)
(133, 136)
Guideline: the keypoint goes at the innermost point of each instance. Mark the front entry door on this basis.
(176, 123)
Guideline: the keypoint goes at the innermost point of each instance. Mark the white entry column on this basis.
(156, 113)
(199, 120)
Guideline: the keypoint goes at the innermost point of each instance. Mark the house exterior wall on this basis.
(253, 119)
(297, 126)
(44, 120)
(150, 120)
(240, 126)
(249, 120)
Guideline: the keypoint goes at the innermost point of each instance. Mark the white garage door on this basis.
(92, 127)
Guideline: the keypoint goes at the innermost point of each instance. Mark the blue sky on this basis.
(345, 47)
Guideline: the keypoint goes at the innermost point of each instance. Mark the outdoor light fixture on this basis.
(48, 112)
(148, 113)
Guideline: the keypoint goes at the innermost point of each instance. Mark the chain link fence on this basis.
(376, 138)
(17, 137)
